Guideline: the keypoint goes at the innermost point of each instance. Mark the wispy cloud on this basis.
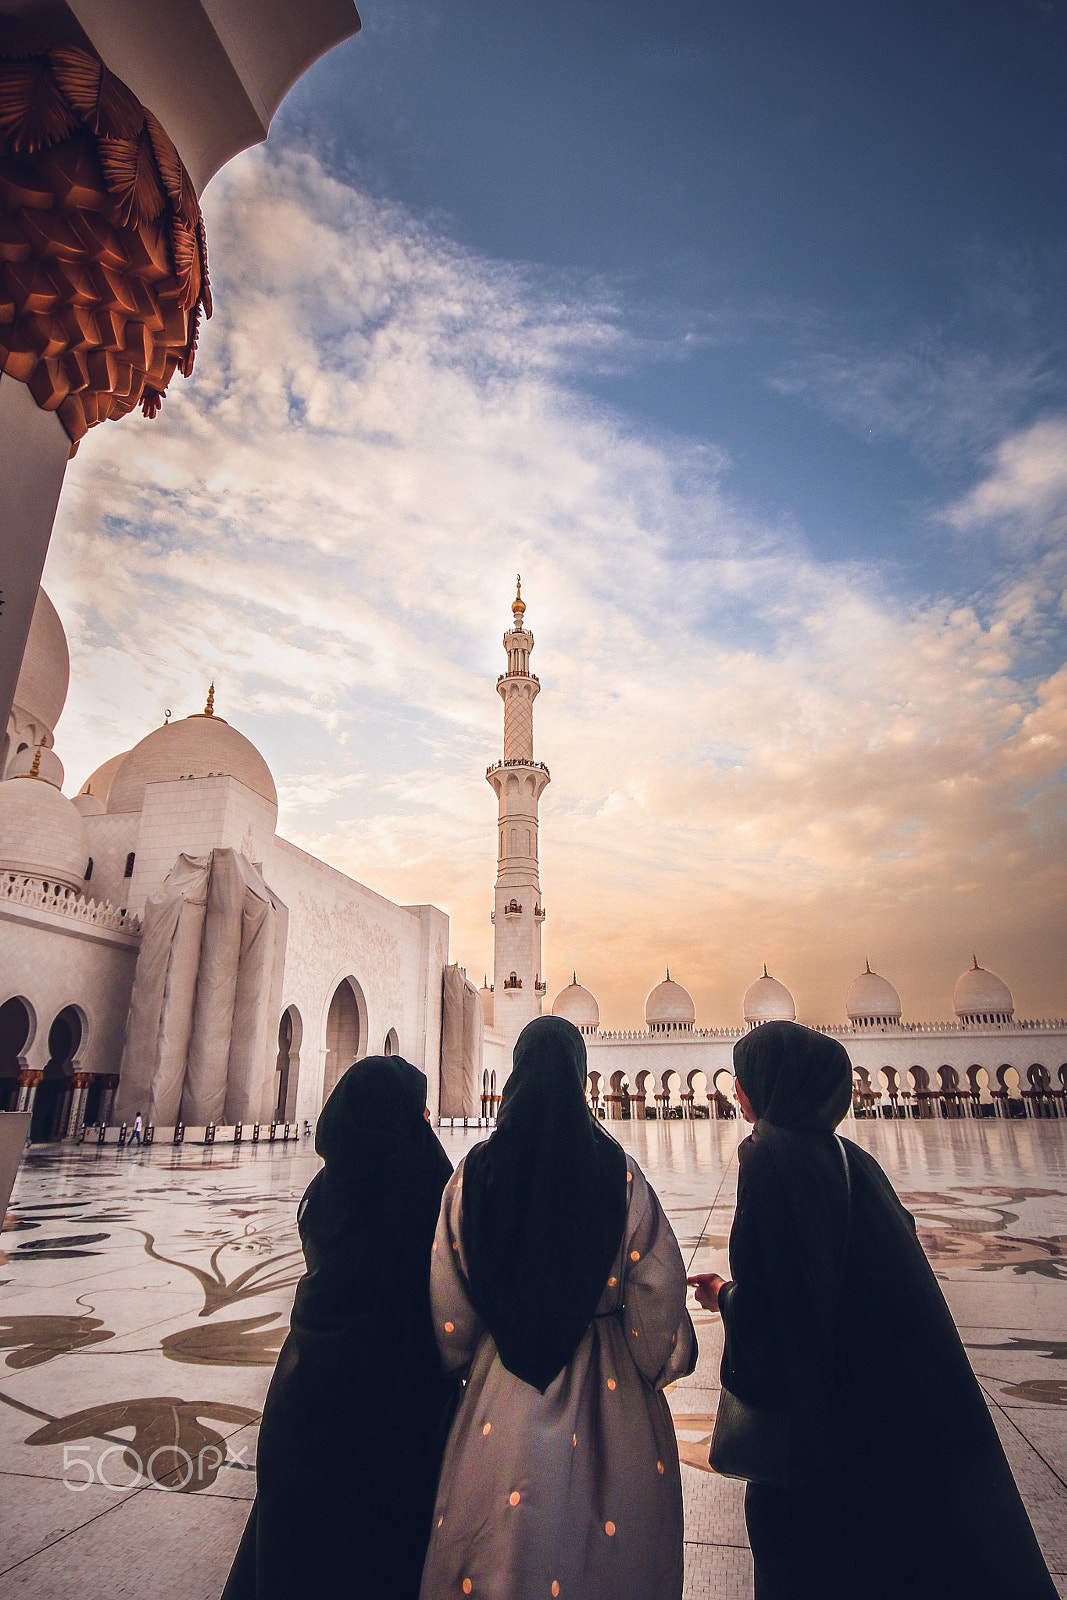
(755, 754)
(941, 399)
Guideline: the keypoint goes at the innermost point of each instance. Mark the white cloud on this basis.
(1026, 484)
(754, 754)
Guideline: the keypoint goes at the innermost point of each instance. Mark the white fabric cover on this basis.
(462, 1028)
(207, 984)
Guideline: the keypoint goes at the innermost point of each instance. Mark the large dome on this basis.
(41, 690)
(577, 1005)
(767, 1000)
(980, 996)
(669, 1006)
(872, 999)
(41, 833)
(197, 747)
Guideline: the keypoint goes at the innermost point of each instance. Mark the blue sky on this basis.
(740, 329)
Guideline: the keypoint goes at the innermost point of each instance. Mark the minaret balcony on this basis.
(539, 913)
(539, 987)
(504, 676)
(514, 982)
(515, 761)
(513, 909)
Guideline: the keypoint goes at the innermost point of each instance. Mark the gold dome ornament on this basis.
(518, 605)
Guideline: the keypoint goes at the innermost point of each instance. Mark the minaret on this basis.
(519, 782)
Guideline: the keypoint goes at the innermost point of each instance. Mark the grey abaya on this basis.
(575, 1491)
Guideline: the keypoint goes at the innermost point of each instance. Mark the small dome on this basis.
(577, 1005)
(871, 998)
(49, 766)
(87, 805)
(41, 833)
(44, 676)
(669, 1006)
(99, 782)
(767, 1000)
(203, 746)
(980, 996)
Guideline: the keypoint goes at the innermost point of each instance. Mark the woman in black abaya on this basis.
(357, 1411)
(835, 1321)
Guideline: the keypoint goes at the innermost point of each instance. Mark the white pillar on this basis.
(34, 450)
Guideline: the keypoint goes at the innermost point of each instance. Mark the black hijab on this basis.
(792, 1206)
(357, 1412)
(544, 1206)
(794, 1077)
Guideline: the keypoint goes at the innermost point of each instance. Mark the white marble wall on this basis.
(52, 962)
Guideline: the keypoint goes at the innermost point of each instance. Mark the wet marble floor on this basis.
(144, 1297)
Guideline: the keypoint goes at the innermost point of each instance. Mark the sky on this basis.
(738, 329)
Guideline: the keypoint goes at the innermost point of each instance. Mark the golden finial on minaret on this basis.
(518, 605)
(867, 964)
(209, 703)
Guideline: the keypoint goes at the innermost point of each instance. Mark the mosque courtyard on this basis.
(146, 1295)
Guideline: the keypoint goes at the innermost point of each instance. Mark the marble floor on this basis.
(144, 1296)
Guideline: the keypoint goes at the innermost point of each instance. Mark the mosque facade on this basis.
(164, 950)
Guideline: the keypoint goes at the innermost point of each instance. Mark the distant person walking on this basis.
(891, 1479)
(357, 1410)
(135, 1132)
(558, 1288)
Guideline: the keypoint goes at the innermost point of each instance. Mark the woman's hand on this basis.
(707, 1286)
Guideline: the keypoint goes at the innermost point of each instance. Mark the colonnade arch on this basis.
(346, 1032)
(51, 1104)
(287, 1068)
(17, 1028)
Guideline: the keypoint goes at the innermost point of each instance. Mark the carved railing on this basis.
(42, 894)
(516, 761)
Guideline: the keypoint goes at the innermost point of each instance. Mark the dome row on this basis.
(871, 1001)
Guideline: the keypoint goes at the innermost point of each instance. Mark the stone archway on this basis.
(346, 1033)
(51, 1104)
(16, 1032)
(391, 1047)
(287, 1068)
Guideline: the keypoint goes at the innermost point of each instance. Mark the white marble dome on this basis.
(99, 783)
(767, 1000)
(49, 766)
(872, 999)
(41, 833)
(669, 1007)
(980, 996)
(44, 677)
(202, 746)
(577, 1005)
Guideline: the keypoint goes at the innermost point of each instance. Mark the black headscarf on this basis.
(357, 1411)
(794, 1077)
(544, 1206)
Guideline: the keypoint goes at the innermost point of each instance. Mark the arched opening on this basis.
(15, 1023)
(287, 1067)
(52, 1101)
(697, 1087)
(346, 1033)
(618, 1100)
(391, 1047)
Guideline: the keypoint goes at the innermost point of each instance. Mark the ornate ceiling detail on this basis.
(103, 261)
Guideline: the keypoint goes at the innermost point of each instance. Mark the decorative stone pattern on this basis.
(17, 889)
(103, 262)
